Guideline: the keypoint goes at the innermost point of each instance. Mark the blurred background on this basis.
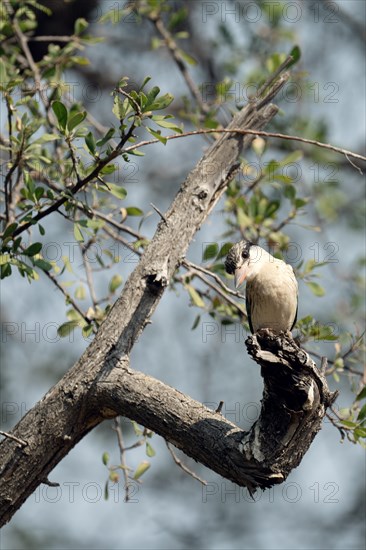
(322, 504)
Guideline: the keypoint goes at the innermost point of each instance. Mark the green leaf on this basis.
(61, 113)
(106, 137)
(149, 450)
(169, 125)
(196, 298)
(134, 211)
(157, 135)
(144, 82)
(115, 282)
(10, 230)
(78, 234)
(106, 491)
(361, 394)
(141, 469)
(316, 289)
(87, 330)
(33, 249)
(45, 138)
(105, 458)
(224, 250)
(4, 259)
(80, 293)
(117, 191)
(196, 322)
(362, 413)
(161, 102)
(80, 25)
(108, 169)
(348, 424)
(210, 251)
(296, 54)
(90, 142)
(75, 120)
(67, 328)
(42, 264)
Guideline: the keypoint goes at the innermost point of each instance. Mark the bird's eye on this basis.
(245, 254)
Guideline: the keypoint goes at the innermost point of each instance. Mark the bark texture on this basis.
(101, 384)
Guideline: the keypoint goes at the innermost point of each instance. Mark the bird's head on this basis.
(244, 260)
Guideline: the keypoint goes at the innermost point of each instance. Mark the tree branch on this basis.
(101, 384)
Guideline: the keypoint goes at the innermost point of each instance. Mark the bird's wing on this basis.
(293, 277)
(249, 307)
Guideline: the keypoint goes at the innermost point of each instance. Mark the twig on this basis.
(117, 428)
(253, 133)
(135, 104)
(273, 76)
(88, 271)
(21, 442)
(183, 466)
(120, 239)
(195, 267)
(177, 57)
(221, 293)
(158, 212)
(69, 298)
(46, 481)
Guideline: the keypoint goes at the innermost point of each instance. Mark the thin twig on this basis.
(183, 466)
(195, 267)
(21, 442)
(218, 290)
(68, 298)
(177, 57)
(158, 212)
(117, 428)
(253, 133)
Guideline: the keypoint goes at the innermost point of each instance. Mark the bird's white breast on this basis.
(273, 296)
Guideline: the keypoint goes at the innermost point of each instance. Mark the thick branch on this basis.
(294, 403)
(73, 407)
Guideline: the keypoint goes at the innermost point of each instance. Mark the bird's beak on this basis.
(240, 275)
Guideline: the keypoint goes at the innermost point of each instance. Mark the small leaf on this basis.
(67, 328)
(10, 230)
(33, 249)
(80, 25)
(362, 413)
(224, 250)
(75, 120)
(78, 234)
(141, 469)
(361, 394)
(157, 135)
(87, 330)
(196, 322)
(296, 54)
(149, 450)
(316, 289)
(134, 211)
(80, 292)
(196, 298)
(210, 251)
(90, 142)
(42, 264)
(115, 282)
(106, 491)
(105, 458)
(61, 113)
(117, 191)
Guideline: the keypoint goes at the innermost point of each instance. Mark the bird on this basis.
(271, 288)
